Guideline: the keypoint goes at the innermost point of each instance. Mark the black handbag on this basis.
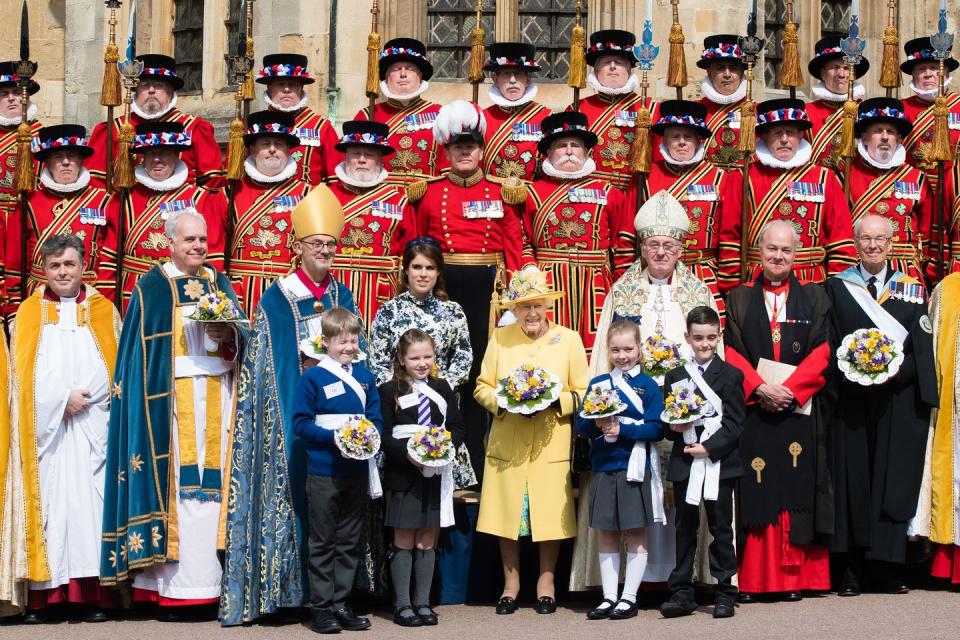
(579, 446)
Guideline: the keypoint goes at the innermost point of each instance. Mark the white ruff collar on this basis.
(929, 95)
(83, 180)
(497, 98)
(696, 159)
(15, 121)
(589, 166)
(898, 158)
(820, 92)
(714, 96)
(285, 174)
(630, 87)
(175, 181)
(800, 158)
(341, 171)
(143, 114)
(297, 107)
(405, 98)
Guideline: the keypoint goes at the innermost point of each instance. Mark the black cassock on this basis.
(879, 432)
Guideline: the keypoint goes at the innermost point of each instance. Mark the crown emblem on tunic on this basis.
(662, 215)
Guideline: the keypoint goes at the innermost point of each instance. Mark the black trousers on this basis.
(336, 507)
(723, 556)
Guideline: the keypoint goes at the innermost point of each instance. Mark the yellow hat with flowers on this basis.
(528, 284)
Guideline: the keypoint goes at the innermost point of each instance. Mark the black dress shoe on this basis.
(33, 617)
(746, 598)
(620, 613)
(545, 605)
(322, 621)
(724, 609)
(506, 606)
(792, 596)
(349, 621)
(677, 606)
(427, 615)
(896, 585)
(95, 615)
(601, 612)
(409, 620)
(169, 614)
(848, 590)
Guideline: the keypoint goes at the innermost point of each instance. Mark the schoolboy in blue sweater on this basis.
(327, 396)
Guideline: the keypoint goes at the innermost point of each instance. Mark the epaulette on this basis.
(513, 190)
(416, 190)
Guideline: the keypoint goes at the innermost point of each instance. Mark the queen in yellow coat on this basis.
(527, 482)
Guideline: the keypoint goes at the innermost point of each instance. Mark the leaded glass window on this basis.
(547, 24)
(775, 13)
(233, 22)
(449, 23)
(188, 43)
(835, 18)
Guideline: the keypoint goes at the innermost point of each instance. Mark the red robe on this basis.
(511, 151)
(724, 121)
(824, 136)
(145, 243)
(872, 191)
(920, 113)
(203, 158)
(584, 246)
(316, 155)
(418, 156)
(261, 248)
(51, 213)
(379, 222)
(613, 119)
(826, 233)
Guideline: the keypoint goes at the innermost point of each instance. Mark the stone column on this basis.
(507, 21)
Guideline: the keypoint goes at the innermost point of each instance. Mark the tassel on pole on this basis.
(235, 150)
(748, 124)
(890, 68)
(123, 165)
(848, 142)
(677, 66)
(477, 36)
(24, 180)
(373, 69)
(641, 149)
(940, 148)
(791, 75)
(577, 77)
(110, 92)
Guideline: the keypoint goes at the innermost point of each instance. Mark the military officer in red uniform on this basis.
(162, 188)
(64, 203)
(826, 111)
(515, 118)
(285, 76)
(612, 110)
(724, 89)
(261, 248)
(786, 185)
(378, 219)
(479, 233)
(682, 169)
(404, 72)
(883, 183)
(155, 99)
(579, 226)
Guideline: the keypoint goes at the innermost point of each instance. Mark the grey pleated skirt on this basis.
(416, 508)
(616, 504)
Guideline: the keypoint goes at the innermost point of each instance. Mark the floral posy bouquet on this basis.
(216, 307)
(683, 405)
(527, 390)
(602, 403)
(869, 356)
(357, 439)
(659, 355)
(313, 348)
(431, 446)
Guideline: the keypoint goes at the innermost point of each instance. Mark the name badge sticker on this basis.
(409, 400)
(333, 390)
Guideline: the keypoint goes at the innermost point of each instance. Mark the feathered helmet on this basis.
(457, 120)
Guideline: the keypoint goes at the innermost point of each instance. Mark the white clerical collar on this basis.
(710, 92)
(589, 166)
(134, 107)
(659, 281)
(15, 121)
(898, 158)
(630, 87)
(800, 158)
(83, 180)
(257, 176)
(405, 98)
(929, 95)
(294, 109)
(820, 92)
(175, 181)
(497, 98)
(696, 159)
(881, 275)
(341, 171)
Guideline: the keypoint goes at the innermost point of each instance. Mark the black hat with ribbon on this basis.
(266, 124)
(563, 124)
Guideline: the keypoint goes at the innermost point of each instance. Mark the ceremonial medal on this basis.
(775, 336)
(318, 306)
(727, 136)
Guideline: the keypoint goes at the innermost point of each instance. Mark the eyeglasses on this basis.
(666, 247)
(866, 241)
(317, 246)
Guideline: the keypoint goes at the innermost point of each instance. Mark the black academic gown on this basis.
(879, 432)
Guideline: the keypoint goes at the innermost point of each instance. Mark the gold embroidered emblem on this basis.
(694, 226)
(265, 238)
(155, 536)
(357, 238)
(882, 208)
(155, 242)
(136, 463)
(266, 222)
(510, 151)
(568, 212)
(896, 225)
(615, 133)
(510, 169)
(785, 208)
(356, 222)
(193, 289)
(614, 155)
(727, 136)
(405, 142)
(405, 158)
(135, 542)
(569, 229)
(117, 390)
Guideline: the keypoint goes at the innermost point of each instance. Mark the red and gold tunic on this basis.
(903, 196)
(613, 119)
(917, 142)
(378, 224)
(203, 158)
(8, 166)
(145, 241)
(316, 156)
(581, 233)
(261, 249)
(418, 156)
(824, 136)
(811, 198)
(85, 213)
(512, 136)
(724, 121)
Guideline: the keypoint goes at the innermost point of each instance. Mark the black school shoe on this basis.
(427, 615)
(411, 619)
(677, 606)
(323, 621)
(349, 621)
(601, 612)
(619, 613)
(724, 608)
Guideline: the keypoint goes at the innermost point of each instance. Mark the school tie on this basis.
(700, 367)
(872, 286)
(423, 410)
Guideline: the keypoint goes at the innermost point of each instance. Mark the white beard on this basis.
(589, 166)
(135, 108)
(353, 181)
(898, 158)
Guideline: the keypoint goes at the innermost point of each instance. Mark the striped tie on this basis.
(423, 410)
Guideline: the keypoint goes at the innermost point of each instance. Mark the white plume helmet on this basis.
(459, 118)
